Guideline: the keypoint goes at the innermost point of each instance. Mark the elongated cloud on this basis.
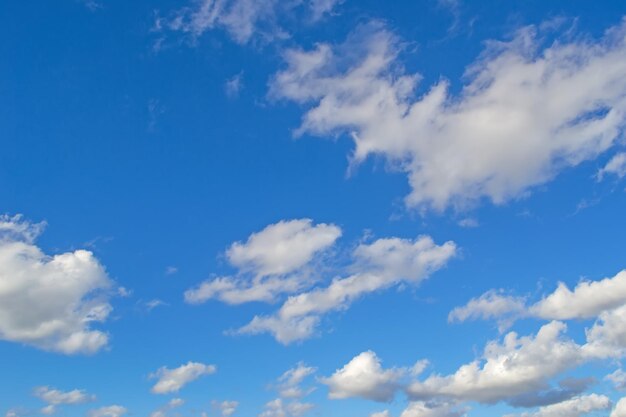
(172, 380)
(527, 112)
(376, 266)
(50, 301)
(574, 407)
(54, 398)
(270, 263)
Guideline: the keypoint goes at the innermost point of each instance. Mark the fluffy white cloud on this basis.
(616, 166)
(270, 263)
(491, 305)
(620, 409)
(527, 112)
(172, 380)
(364, 377)
(109, 411)
(54, 398)
(618, 378)
(321, 7)
(384, 413)
(517, 366)
(573, 407)
(290, 392)
(376, 266)
(588, 299)
(607, 337)
(50, 302)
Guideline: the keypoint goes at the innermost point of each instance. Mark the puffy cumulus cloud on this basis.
(172, 380)
(50, 301)
(573, 407)
(270, 262)
(226, 408)
(243, 20)
(171, 405)
(423, 409)
(53, 398)
(616, 166)
(108, 411)
(376, 266)
(364, 377)
(607, 337)
(518, 366)
(282, 247)
(491, 305)
(620, 409)
(527, 112)
(588, 299)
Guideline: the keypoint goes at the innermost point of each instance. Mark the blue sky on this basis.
(289, 208)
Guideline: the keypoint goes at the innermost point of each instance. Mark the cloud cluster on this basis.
(376, 266)
(172, 380)
(527, 111)
(108, 411)
(54, 398)
(290, 393)
(287, 258)
(50, 301)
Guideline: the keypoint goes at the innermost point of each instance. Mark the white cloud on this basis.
(620, 409)
(588, 299)
(518, 366)
(491, 305)
(574, 407)
(164, 410)
(607, 337)
(50, 301)
(364, 377)
(376, 266)
(53, 398)
(234, 85)
(526, 113)
(618, 378)
(278, 408)
(109, 411)
(289, 382)
(243, 20)
(172, 380)
(422, 409)
(270, 262)
(319, 8)
(384, 413)
(616, 166)
(227, 408)
(282, 247)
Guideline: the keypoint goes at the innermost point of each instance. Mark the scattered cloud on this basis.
(226, 408)
(172, 380)
(616, 166)
(375, 266)
(54, 398)
(574, 407)
(234, 85)
(109, 411)
(171, 405)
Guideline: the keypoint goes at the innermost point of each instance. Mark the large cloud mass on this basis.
(50, 301)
